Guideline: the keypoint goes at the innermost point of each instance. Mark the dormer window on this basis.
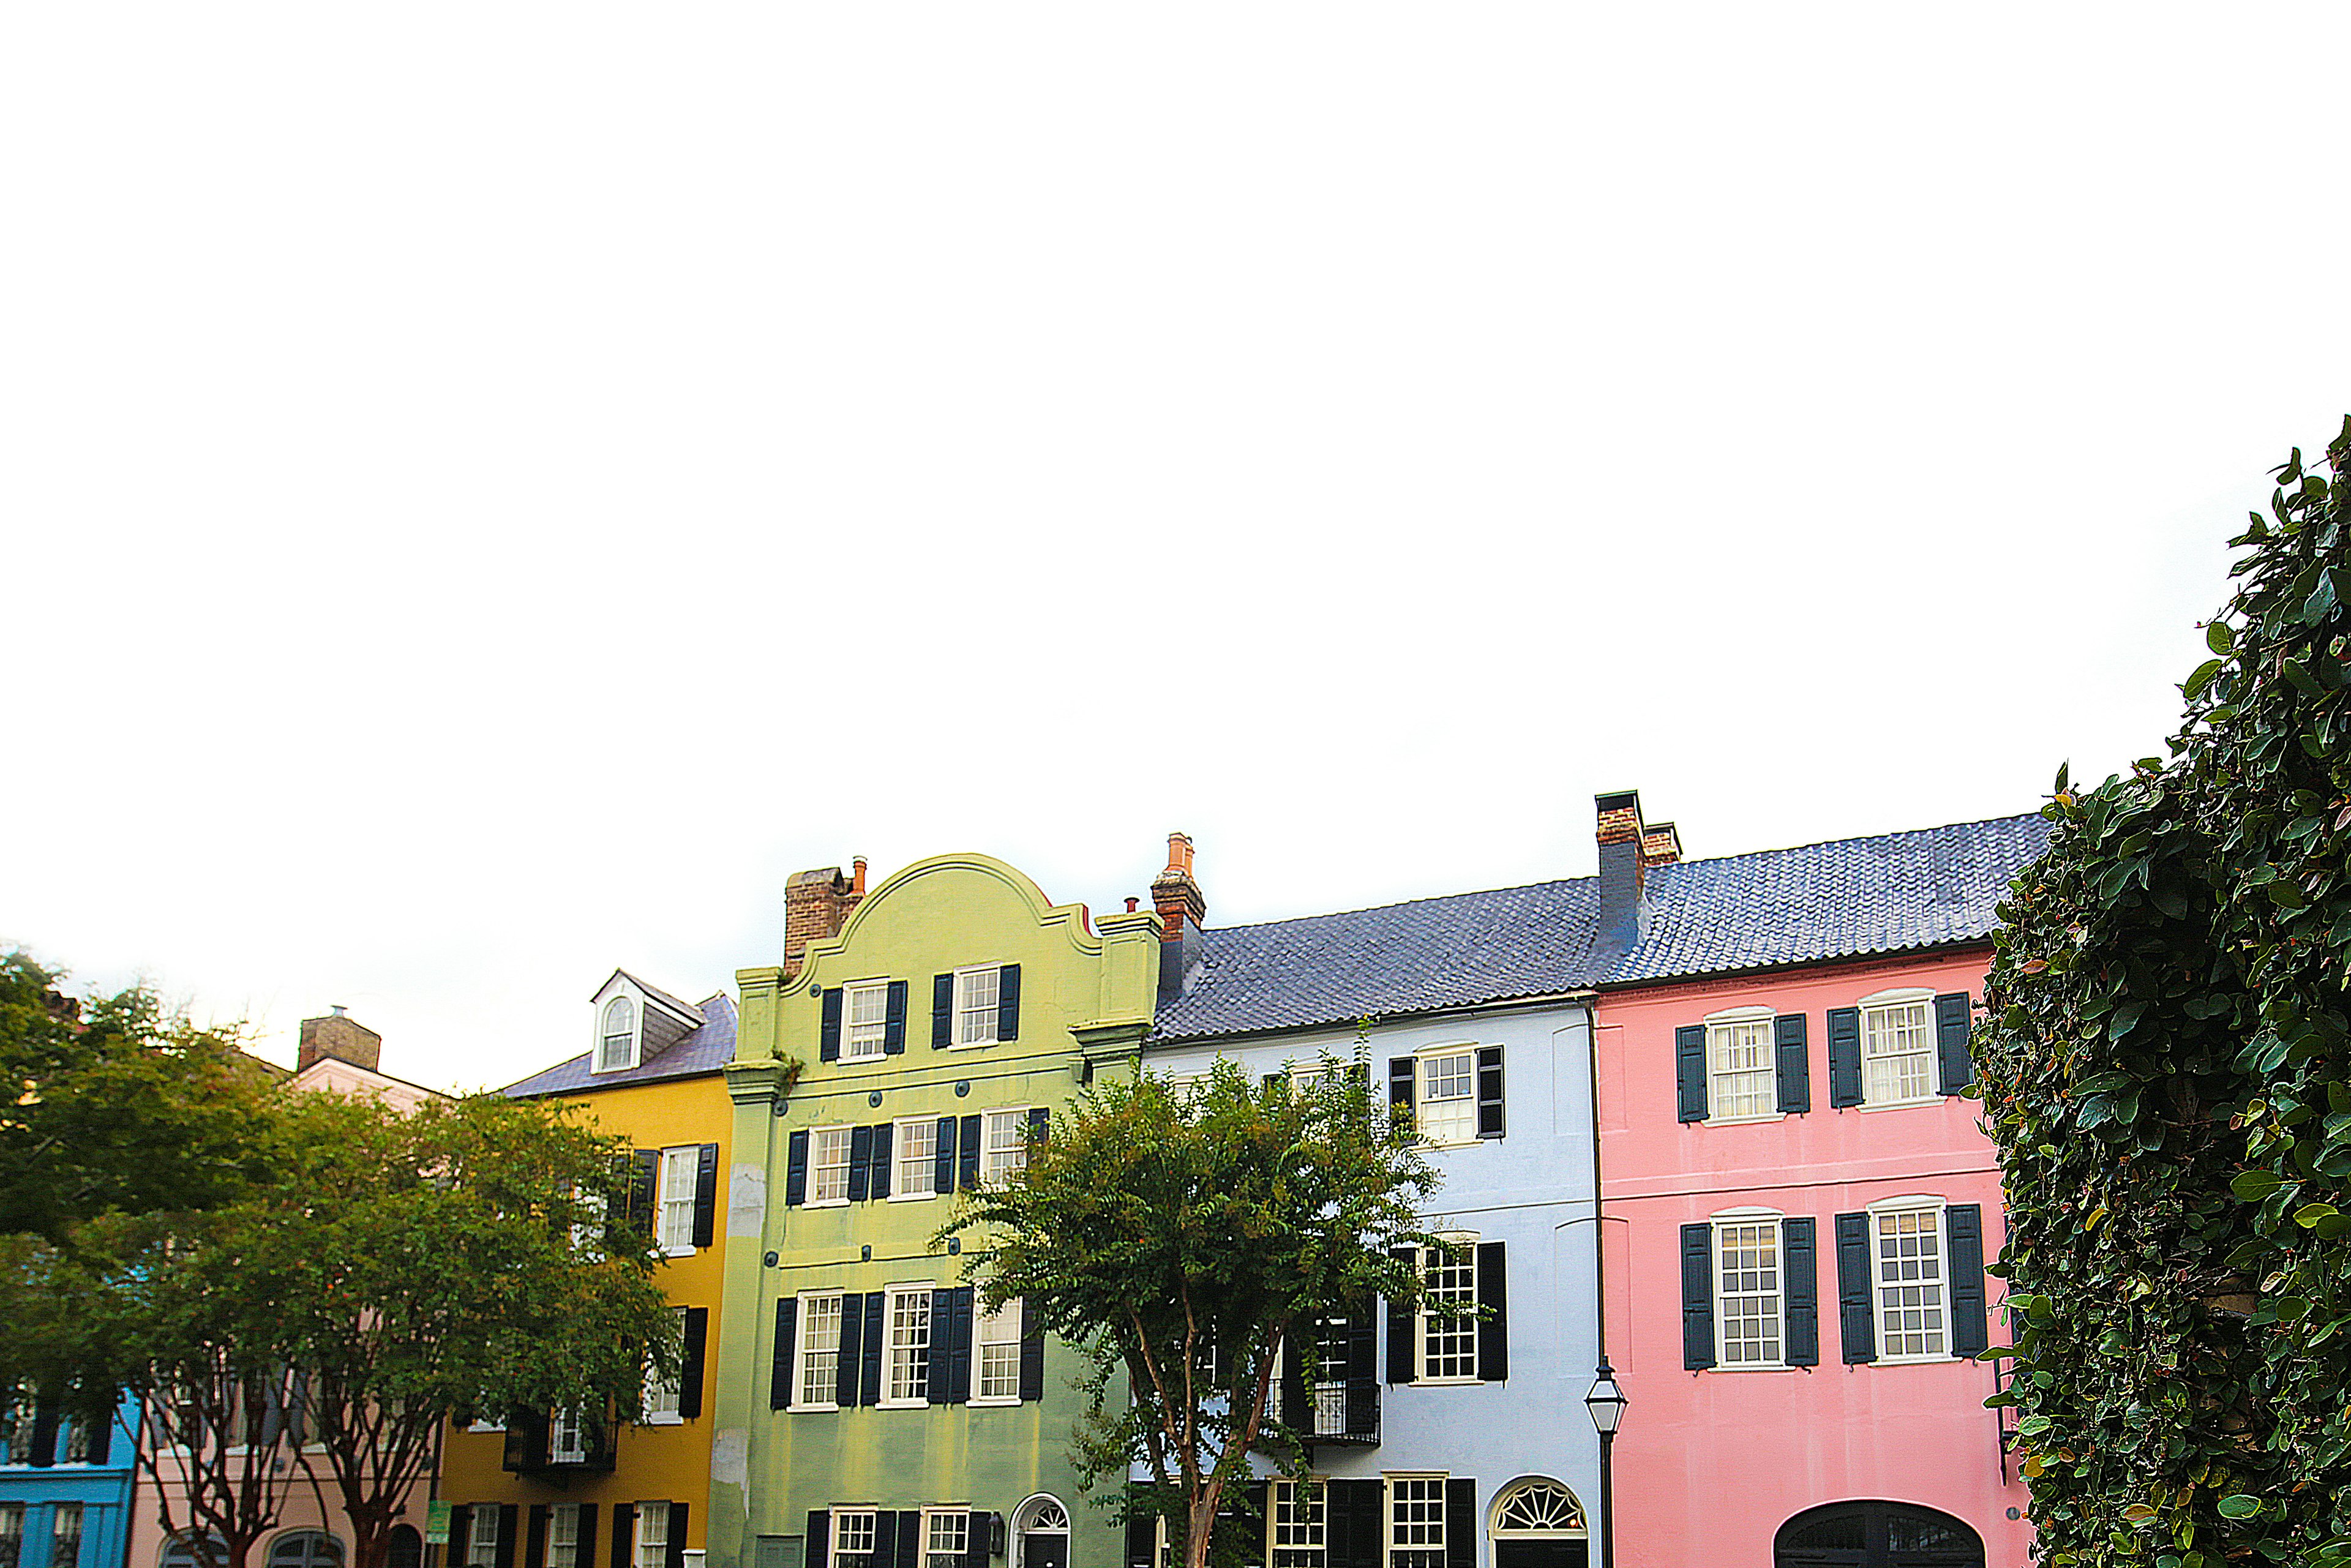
(617, 1047)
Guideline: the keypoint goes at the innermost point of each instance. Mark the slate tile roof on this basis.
(1846, 898)
(706, 1049)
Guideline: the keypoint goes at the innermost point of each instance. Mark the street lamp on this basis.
(1606, 1404)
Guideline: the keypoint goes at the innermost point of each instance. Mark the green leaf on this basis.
(2253, 1186)
(2240, 1505)
(2310, 1214)
(2220, 636)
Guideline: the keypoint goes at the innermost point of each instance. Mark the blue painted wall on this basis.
(1530, 1190)
(103, 1489)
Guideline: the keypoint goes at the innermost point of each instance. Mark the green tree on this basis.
(2166, 1071)
(396, 1268)
(1180, 1237)
(115, 1105)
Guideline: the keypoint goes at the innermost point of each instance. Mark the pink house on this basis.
(1798, 1205)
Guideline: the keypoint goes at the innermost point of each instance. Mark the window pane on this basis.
(482, 1537)
(1000, 1353)
(1911, 1319)
(1299, 1538)
(678, 1169)
(819, 1349)
(829, 1165)
(1747, 1306)
(1739, 1064)
(661, 1394)
(1896, 1049)
(868, 1007)
(1448, 1343)
(918, 1146)
(65, 1537)
(944, 1537)
(1449, 1098)
(976, 1002)
(652, 1534)
(910, 1345)
(1416, 1522)
(1001, 1151)
(563, 1536)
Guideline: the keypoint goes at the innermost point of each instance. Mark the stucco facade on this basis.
(66, 1487)
(861, 1400)
(1723, 1238)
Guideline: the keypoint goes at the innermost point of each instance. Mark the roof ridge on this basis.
(1859, 839)
(1399, 903)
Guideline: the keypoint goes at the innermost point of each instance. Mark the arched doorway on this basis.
(306, 1549)
(1538, 1523)
(1040, 1533)
(1876, 1535)
(407, 1549)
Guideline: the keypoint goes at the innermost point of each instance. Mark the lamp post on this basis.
(1606, 1404)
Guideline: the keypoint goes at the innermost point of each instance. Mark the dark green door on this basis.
(1875, 1535)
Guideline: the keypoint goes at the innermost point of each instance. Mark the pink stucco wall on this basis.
(1710, 1464)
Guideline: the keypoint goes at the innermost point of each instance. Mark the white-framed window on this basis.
(65, 1536)
(661, 1393)
(865, 1017)
(1330, 1390)
(1907, 1270)
(563, 1536)
(906, 1360)
(819, 1351)
(1448, 1340)
(1897, 1048)
(852, 1537)
(1447, 1101)
(1001, 1150)
(1416, 1522)
(678, 1169)
(1750, 1292)
(947, 1537)
(915, 1148)
(998, 1367)
(482, 1537)
(77, 1451)
(1299, 1526)
(652, 1535)
(828, 1166)
(976, 996)
(616, 1041)
(12, 1534)
(1741, 1084)
(567, 1437)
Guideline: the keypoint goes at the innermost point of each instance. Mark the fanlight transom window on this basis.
(1045, 1516)
(1539, 1507)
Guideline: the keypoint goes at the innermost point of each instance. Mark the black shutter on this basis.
(1400, 1325)
(509, 1517)
(852, 1349)
(942, 1347)
(860, 1161)
(975, 1540)
(706, 1195)
(1860, 1324)
(1698, 1297)
(689, 1370)
(1689, 1071)
(1963, 1233)
(1297, 1408)
(1401, 1069)
(461, 1530)
(877, 1318)
(624, 1533)
(1844, 1056)
(967, 1154)
(1142, 1539)
(877, 1181)
(644, 1182)
(819, 1538)
(828, 1039)
(1800, 1290)
(943, 1161)
(1494, 1328)
(1959, 1070)
(1490, 1090)
(1460, 1524)
(674, 1554)
(1007, 1002)
(893, 1020)
(1793, 1054)
(779, 1366)
(910, 1538)
(1362, 1344)
(795, 1168)
(534, 1552)
(942, 1011)
(1040, 1122)
(1032, 1355)
(526, 1439)
(584, 1553)
(1354, 1525)
(101, 1441)
(963, 1313)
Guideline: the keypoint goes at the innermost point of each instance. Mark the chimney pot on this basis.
(1131, 904)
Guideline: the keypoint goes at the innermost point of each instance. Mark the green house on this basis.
(869, 1417)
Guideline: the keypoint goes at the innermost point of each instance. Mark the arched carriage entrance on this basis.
(1040, 1533)
(1538, 1523)
(1876, 1535)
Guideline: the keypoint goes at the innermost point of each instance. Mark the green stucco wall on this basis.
(1086, 1001)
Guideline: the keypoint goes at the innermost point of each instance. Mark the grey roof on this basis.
(683, 1010)
(1847, 898)
(706, 1049)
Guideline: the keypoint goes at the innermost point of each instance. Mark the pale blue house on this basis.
(65, 1487)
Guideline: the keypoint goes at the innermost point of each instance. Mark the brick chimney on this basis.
(1625, 855)
(816, 905)
(1660, 845)
(340, 1036)
(1181, 910)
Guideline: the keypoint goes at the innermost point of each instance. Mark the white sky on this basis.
(490, 490)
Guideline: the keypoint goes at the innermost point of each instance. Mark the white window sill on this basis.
(911, 1196)
(799, 1409)
(1938, 1359)
(1742, 1121)
(922, 1404)
(974, 1044)
(662, 1421)
(877, 1055)
(686, 1252)
(1428, 1143)
(1446, 1382)
(995, 1401)
(1903, 1104)
(826, 1203)
(1753, 1367)
(485, 1427)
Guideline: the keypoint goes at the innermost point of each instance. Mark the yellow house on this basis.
(560, 1491)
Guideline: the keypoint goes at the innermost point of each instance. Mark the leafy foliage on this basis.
(2166, 1070)
(1181, 1236)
